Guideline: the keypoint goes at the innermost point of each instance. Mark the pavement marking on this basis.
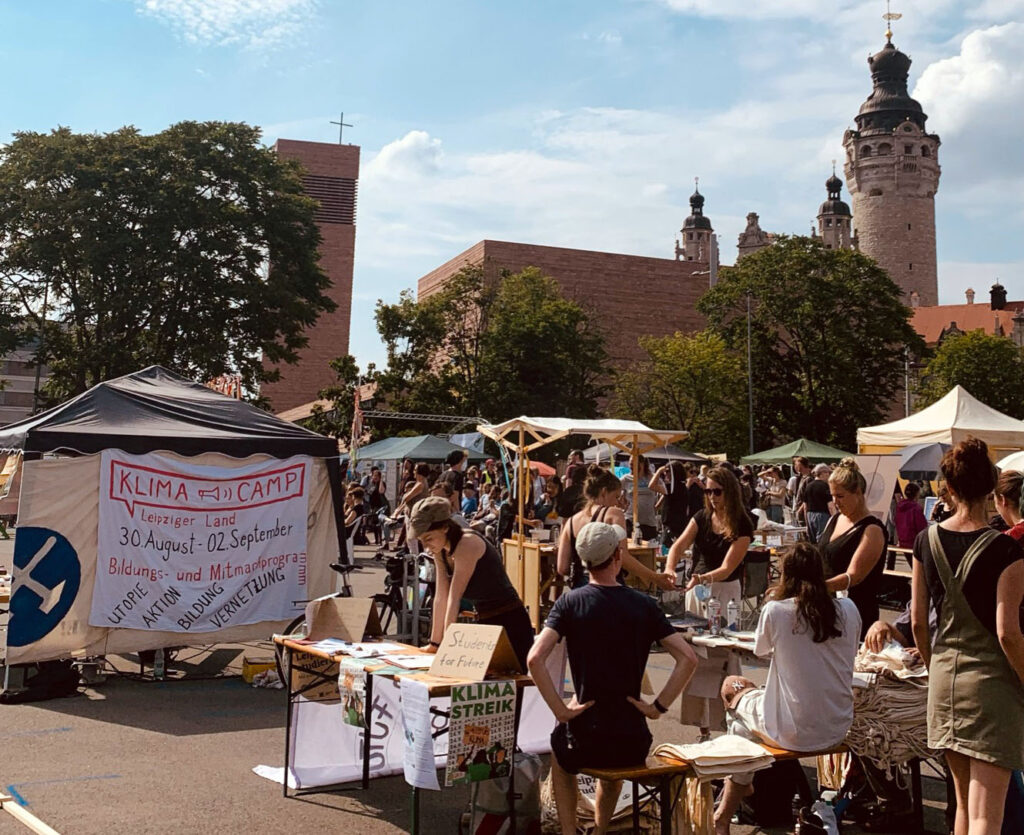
(39, 732)
(12, 788)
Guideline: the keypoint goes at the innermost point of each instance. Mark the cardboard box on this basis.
(253, 664)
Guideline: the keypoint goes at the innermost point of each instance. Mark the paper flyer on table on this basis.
(418, 761)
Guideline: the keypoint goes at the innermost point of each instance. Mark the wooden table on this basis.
(313, 678)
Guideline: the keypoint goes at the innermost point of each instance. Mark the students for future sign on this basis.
(188, 548)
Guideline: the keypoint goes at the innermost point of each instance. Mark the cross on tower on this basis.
(889, 17)
(342, 124)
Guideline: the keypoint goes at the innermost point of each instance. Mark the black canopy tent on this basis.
(156, 409)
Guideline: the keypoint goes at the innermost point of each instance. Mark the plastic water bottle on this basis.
(732, 618)
(158, 664)
(715, 616)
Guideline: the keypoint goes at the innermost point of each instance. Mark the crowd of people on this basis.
(964, 618)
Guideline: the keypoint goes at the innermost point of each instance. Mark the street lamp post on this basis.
(750, 380)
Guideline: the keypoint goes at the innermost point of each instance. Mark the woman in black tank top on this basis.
(468, 568)
(602, 489)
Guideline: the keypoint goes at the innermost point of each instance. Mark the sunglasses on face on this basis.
(713, 491)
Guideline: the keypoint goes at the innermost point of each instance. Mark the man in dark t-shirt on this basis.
(454, 476)
(816, 498)
(608, 629)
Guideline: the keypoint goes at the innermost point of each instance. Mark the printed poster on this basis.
(190, 548)
(418, 763)
(481, 732)
(352, 686)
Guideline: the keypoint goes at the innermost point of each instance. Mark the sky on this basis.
(577, 123)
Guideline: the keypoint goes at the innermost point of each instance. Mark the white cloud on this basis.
(414, 156)
(996, 10)
(981, 88)
(253, 24)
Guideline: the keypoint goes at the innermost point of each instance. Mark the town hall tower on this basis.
(892, 171)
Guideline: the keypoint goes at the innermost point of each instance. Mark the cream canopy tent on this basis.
(956, 416)
(523, 434)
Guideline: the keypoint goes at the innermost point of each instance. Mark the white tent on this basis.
(949, 420)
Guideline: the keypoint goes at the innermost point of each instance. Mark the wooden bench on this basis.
(658, 772)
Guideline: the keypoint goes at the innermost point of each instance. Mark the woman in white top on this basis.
(807, 701)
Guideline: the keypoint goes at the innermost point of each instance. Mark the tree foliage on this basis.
(990, 367)
(491, 349)
(829, 332)
(126, 250)
(689, 381)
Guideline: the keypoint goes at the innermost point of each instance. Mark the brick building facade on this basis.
(332, 174)
(628, 296)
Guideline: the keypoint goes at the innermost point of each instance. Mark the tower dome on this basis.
(835, 220)
(696, 220)
(889, 104)
(834, 205)
(698, 240)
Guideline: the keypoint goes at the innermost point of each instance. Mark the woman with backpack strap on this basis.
(975, 577)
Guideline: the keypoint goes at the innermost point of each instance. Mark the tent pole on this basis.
(634, 454)
(522, 511)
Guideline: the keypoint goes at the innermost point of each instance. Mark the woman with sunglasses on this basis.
(720, 535)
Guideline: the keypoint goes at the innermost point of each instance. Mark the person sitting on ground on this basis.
(468, 567)
(602, 489)
(608, 629)
(1007, 495)
(720, 534)
(910, 519)
(975, 578)
(355, 508)
(854, 542)
(807, 701)
(470, 503)
(546, 508)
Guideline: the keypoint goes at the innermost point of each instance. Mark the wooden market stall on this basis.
(524, 560)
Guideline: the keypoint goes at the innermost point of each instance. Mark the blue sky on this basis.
(563, 122)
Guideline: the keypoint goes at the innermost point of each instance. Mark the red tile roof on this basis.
(931, 321)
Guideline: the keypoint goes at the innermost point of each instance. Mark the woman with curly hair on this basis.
(974, 576)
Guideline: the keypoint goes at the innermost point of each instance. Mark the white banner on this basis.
(190, 548)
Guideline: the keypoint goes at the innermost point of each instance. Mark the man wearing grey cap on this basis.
(609, 629)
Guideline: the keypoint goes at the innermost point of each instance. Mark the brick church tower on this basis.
(331, 178)
(892, 171)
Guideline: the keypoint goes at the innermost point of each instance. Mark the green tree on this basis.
(492, 349)
(689, 381)
(829, 332)
(126, 250)
(335, 418)
(990, 367)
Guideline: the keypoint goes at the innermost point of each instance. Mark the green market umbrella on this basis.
(811, 450)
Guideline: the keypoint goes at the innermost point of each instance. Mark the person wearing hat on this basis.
(608, 629)
(468, 567)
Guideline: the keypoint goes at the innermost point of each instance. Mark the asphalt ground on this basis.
(138, 756)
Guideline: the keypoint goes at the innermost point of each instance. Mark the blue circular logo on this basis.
(47, 577)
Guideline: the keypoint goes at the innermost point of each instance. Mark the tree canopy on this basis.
(125, 250)
(491, 349)
(990, 367)
(829, 332)
(689, 381)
